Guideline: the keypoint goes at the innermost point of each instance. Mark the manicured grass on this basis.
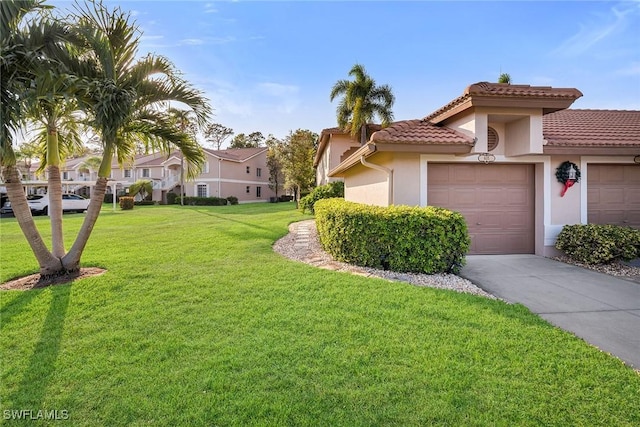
(199, 322)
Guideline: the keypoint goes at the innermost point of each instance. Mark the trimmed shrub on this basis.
(173, 198)
(399, 238)
(126, 203)
(233, 200)
(599, 244)
(205, 201)
(328, 191)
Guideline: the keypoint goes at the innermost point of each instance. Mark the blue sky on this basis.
(269, 66)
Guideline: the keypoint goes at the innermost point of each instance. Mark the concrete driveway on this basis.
(601, 309)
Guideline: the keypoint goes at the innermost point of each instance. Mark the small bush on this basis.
(599, 244)
(233, 200)
(328, 191)
(205, 201)
(173, 198)
(399, 238)
(144, 203)
(285, 198)
(126, 203)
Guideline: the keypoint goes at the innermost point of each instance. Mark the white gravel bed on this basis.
(614, 269)
(302, 244)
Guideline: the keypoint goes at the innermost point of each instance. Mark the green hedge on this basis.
(599, 244)
(328, 191)
(399, 238)
(233, 200)
(205, 201)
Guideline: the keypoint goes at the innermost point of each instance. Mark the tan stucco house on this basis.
(492, 154)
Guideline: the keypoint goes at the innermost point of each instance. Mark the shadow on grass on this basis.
(16, 306)
(31, 391)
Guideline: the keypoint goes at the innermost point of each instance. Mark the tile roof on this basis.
(485, 93)
(420, 132)
(592, 128)
(236, 154)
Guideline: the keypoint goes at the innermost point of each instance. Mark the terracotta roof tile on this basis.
(420, 132)
(592, 128)
(486, 90)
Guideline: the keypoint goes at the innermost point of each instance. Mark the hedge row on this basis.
(173, 199)
(599, 244)
(399, 238)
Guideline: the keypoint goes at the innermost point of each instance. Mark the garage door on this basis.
(613, 194)
(496, 200)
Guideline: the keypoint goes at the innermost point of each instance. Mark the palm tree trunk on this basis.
(71, 261)
(55, 190)
(49, 265)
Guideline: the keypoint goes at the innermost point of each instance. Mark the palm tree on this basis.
(125, 99)
(504, 78)
(185, 121)
(27, 67)
(362, 101)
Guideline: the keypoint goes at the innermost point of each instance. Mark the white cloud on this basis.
(632, 70)
(601, 28)
(191, 42)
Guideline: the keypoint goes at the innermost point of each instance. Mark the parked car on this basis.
(39, 204)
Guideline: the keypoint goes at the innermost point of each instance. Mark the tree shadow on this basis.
(31, 391)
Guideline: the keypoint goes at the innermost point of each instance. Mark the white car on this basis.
(39, 204)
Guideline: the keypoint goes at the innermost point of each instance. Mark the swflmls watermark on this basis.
(31, 414)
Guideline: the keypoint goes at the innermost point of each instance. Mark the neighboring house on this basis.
(334, 146)
(239, 172)
(492, 155)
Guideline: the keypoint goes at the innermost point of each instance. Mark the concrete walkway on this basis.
(599, 308)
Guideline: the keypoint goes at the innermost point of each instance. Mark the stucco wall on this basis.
(564, 210)
(365, 185)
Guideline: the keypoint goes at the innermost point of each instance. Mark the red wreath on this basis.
(568, 174)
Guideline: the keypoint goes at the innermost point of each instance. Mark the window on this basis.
(202, 190)
(248, 169)
(248, 189)
(258, 172)
(65, 175)
(145, 173)
(206, 167)
(258, 191)
(127, 173)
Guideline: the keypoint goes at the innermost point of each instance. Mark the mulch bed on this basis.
(34, 281)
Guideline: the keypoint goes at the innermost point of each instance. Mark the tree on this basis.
(216, 134)
(142, 187)
(274, 164)
(126, 97)
(362, 100)
(504, 78)
(32, 83)
(253, 140)
(185, 121)
(297, 160)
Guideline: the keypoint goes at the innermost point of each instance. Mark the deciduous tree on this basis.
(297, 160)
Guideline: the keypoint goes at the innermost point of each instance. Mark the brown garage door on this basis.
(496, 200)
(613, 194)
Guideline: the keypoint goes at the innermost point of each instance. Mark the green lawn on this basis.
(198, 322)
